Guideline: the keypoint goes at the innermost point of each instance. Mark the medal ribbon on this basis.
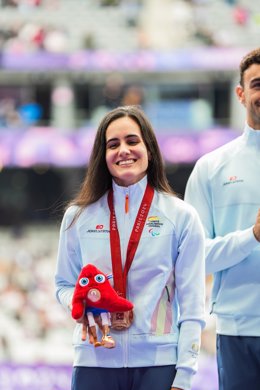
(120, 274)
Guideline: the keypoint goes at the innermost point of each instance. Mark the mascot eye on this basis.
(100, 278)
(83, 282)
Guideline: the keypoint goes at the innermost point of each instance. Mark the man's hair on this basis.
(253, 57)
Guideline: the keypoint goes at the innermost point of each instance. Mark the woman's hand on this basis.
(175, 388)
(85, 328)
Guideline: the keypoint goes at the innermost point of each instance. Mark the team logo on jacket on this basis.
(154, 225)
(233, 180)
(99, 229)
(153, 219)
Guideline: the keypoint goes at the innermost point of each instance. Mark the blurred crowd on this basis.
(19, 108)
(20, 4)
(22, 38)
(34, 328)
(49, 25)
(19, 116)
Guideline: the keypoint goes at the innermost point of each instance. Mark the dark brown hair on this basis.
(98, 178)
(253, 57)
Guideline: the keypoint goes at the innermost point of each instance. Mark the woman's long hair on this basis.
(98, 179)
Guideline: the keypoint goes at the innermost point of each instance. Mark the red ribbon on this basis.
(120, 274)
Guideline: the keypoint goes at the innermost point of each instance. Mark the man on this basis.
(224, 187)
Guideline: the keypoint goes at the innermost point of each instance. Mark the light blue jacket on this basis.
(224, 187)
(165, 281)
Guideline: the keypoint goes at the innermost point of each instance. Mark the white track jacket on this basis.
(224, 187)
(165, 282)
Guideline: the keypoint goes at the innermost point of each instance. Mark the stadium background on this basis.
(63, 64)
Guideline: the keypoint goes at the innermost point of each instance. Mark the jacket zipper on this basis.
(126, 203)
(126, 230)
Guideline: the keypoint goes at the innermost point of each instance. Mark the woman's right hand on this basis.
(85, 328)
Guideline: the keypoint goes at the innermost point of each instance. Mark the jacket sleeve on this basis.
(190, 286)
(222, 252)
(69, 262)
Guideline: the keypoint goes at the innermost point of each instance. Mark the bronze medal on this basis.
(122, 320)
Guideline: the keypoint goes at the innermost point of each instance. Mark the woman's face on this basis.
(126, 153)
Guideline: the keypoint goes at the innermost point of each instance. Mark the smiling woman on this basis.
(127, 222)
(126, 153)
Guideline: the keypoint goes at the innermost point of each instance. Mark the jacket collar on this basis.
(135, 193)
(137, 187)
(251, 136)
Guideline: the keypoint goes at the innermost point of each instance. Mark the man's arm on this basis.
(222, 252)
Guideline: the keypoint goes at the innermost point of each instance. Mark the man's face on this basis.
(249, 95)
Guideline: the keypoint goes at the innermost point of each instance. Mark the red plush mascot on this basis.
(95, 297)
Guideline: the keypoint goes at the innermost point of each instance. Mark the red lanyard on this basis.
(120, 275)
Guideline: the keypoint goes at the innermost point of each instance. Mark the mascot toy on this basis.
(95, 298)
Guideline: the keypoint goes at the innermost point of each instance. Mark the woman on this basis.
(160, 270)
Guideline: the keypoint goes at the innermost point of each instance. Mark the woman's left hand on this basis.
(175, 388)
